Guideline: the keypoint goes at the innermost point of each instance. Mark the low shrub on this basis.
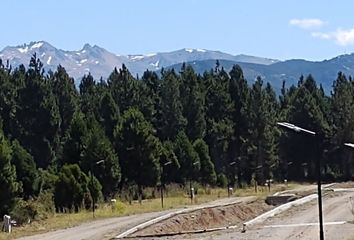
(35, 209)
(118, 207)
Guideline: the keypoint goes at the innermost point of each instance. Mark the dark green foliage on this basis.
(219, 106)
(187, 157)
(206, 126)
(262, 146)
(70, 188)
(8, 90)
(26, 170)
(46, 181)
(139, 150)
(171, 120)
(207, 171)
(109, 114)
(124, 88)
(76, 140)
(89, 96)
(193, 104)
(66, 97)
(168, 156)
(95, 187)
(222, 180)
(307, 111)
(99, 157)
(37, 116)
(9, 186)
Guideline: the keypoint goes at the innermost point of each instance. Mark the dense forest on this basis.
(175, 126)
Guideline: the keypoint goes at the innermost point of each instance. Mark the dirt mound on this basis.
(206, 219)
(349, 184)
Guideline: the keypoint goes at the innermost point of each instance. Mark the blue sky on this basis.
(282, 29)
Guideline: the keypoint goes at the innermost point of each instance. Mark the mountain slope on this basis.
(100, 62)
(325, 72)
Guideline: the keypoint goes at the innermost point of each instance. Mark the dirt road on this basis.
(109, 228)
(298, 223)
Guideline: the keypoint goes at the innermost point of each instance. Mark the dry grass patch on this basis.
(175, 199)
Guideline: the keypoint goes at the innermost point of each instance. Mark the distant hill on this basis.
(324, 72)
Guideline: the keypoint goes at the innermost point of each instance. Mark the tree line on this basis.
(216, 128)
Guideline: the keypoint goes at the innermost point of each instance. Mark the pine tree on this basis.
(26, 170)
(240, 95)
(37, 115)
(97, 149)
(218, 117)
(109, 114)
(187, 157)
(207, 171)
(307, 112)
(193, 104)
(9, 186)
(172, 120)
(124, 88)
(71, 188)
(263, 135)
(139, 150)
(75, 140)
(342, 108)
(66, 96)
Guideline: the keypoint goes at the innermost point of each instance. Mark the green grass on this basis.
(177, 198)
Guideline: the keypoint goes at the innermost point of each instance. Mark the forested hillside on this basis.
(214, 128)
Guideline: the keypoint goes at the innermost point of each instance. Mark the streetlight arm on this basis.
(295, 128)
(349, 145)
(99, 162)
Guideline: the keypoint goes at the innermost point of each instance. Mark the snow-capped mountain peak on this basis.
(100, 62)
(191, 50)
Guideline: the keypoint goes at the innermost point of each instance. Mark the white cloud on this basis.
(344, 37)
(307, 23)
(341, 37)
(321, 35)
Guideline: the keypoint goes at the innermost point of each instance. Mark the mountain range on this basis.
(100, 63)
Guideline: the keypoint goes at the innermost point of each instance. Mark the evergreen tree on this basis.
(37, 115)
(171, 120)
(306, 111)
(124, 88)
(240, 95)
(109, 114)
(342, 108)
(9, 187)
(193, 103)
(89, 96)
(75, 141)
(66, 97)
(187, 157)
(139, 150)
(8, 91)
(25, 170)
(207, 172)
(218, 117)
(98, 148)
(263, 139)
(168, 156)
(71, 188)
